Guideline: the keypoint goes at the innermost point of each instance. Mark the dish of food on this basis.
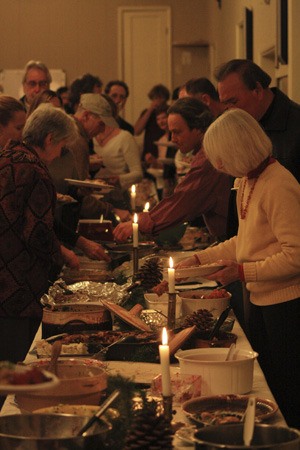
(222, 409)
(19, 378)
(90, 342)
(64, 198)
(95, 184)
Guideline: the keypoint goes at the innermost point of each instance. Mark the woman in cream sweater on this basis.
(265, 254)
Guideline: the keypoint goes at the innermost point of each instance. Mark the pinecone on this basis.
(150, 274)
(149, 431)
(202, 318)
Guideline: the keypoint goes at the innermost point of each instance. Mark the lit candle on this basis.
(146, 207)
(133, 197)
(135, 231)
(164, 354)
(101, 218)
(171, 276)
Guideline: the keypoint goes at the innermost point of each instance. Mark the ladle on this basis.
(100, 412)
(55, 352)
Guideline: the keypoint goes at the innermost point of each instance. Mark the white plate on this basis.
(90, 184)
(20, 388)
(155, 172)
(198, 271)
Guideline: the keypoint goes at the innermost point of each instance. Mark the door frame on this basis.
(122, 11)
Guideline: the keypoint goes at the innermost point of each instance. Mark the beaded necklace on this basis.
(254, 174)
(244, 209)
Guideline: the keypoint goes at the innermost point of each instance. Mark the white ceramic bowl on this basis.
(219, 376)
(82, 381)
(192, 301)
(160, 303)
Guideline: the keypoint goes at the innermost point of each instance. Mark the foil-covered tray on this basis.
(84, 292)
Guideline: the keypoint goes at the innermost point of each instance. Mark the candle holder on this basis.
(168, 407)
(135, 257)
(171, 310)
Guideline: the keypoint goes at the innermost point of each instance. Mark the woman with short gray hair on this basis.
(47, 120)
(29, 248)
(265, 253)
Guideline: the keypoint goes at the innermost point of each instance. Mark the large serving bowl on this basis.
(50, 432)
(199, 299)
(219, 376)
(230, 437)
(82, 381)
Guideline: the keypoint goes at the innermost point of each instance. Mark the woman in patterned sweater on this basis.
(28, 246)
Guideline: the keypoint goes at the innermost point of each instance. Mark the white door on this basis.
(144, 53)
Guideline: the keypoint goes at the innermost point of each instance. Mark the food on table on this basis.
(220, 417)
(15, 374)
(90, 343)
(161, 288)
(64, 198)
(223, 409)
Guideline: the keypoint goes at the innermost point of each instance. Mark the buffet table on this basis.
(145, 372)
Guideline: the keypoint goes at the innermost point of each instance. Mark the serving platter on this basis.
(94, 184)
(221, 409)
(86, 343)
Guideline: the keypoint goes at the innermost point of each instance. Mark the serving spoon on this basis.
(100, 412)
(55, 352)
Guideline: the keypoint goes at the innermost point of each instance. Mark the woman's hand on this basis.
(228, 275)
(92, 249)
(123, 231)
(70, 259)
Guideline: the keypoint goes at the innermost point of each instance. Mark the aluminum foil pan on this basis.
(84, 292)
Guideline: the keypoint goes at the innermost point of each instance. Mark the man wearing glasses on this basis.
(36, 79)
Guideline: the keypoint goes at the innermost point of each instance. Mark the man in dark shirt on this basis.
(243, 84)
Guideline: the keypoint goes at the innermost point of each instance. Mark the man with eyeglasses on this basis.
(36, 79)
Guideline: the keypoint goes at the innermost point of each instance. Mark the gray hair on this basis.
(47, 119)
(38, 65)
(236, 144)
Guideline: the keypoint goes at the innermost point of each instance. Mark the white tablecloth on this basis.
(145, 372)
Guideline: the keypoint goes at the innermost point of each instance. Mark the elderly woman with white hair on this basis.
(265, 253)
(28, 245)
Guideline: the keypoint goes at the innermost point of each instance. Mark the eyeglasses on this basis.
(33, 84)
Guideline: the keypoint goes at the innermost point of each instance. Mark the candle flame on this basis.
(164, 336)
(135, 218)
(147, 206)
(133, 189)
(171, 264)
